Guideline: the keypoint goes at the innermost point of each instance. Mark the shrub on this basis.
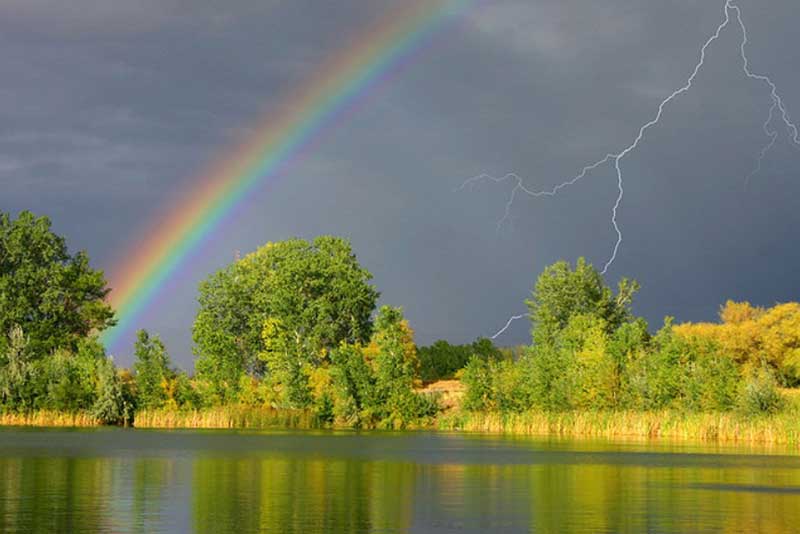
(110, 407)
(760, 393)
(477, 379)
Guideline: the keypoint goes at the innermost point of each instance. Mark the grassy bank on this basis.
(783, 428)
(778, 429)
(48, 418)
(226, 417)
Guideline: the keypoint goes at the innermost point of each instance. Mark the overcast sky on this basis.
(108, 109)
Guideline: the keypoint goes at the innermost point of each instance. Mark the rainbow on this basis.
(151, 261)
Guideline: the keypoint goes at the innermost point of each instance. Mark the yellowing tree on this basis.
(755, 336)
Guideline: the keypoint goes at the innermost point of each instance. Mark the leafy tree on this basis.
(562, 292)
(286, 305)
(760, 393)
(111, 405)
(685, 374)
(395, 361)
(375, 386)
(477, 377)
(153, 373)
(17, 372)
(55, 297)
(755, 337)
(186, 394)
(68, 380)
(354, 392)
(396, 368)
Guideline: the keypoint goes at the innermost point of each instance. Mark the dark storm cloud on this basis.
(107, 110)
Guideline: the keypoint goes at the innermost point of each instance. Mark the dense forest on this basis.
(293, 328)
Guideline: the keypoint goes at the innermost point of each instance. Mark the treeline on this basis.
(52, 305)
(294, 327)
(590, 352)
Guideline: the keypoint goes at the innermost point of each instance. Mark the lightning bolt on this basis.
(773, 136)
(730, 7)
(510, 320)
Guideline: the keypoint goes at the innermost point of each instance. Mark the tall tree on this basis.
(562, 292)
(285, 304)
(152, 367)
(55, 297)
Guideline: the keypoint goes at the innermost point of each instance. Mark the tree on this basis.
(152, 369)
(354, 395)
(285, 305)
(754, 337)
(55, 297)
(396, 370)
(562, 292)
(112, 405)
(16, 372)
(67, 380)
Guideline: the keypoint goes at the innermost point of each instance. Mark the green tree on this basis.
(285, 305)
(396, 371)
(354, 393)
(68, 379)
(110, 407)
(152, 367)
(562, 292)
(17, 372)
(55, 297)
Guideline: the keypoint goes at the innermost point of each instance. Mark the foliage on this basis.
(561, 292)
(375, 386)
(153, 374)
(186, 394)
(68, 381)
(755, 337)
(354, 392)
(111, 406)
(442, 360)
(591, 353)
(17, 372)
(286, 305)
(56, 298)
(689, 375)
(477, 378)
(396, 368)
(288, 370)
(761, 393)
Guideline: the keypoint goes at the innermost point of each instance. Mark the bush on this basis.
(477, 379)
(110, 407)
(760, 394)
(354, 399)
(186, 394)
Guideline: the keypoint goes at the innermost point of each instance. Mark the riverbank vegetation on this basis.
(291, 336)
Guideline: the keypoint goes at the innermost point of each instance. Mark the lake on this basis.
(118, 480)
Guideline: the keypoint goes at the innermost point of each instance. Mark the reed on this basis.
(782, 428)
(47, 418)
(233, 416)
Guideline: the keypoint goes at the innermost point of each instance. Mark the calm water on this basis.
(116, 480)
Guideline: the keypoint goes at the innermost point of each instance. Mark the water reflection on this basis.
(218, 482)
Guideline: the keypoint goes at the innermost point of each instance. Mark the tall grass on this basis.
(47, 418)
(233, 416)
(782, 428)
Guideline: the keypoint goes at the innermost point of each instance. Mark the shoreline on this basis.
(777, 429)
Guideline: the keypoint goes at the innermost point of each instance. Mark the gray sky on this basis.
(108, 109)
